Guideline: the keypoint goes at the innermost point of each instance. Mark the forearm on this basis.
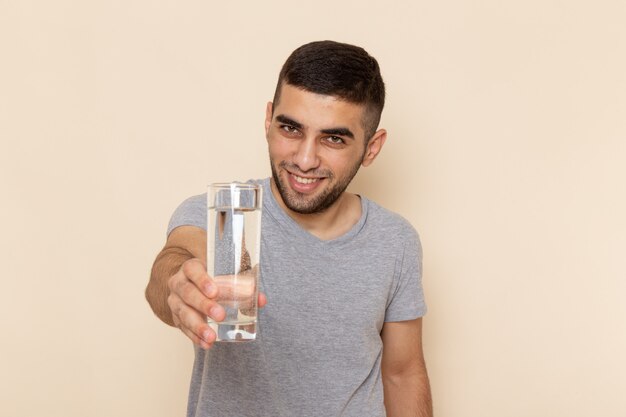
(407, 394)
(167, 263)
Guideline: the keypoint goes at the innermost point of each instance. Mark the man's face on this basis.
(316, 146)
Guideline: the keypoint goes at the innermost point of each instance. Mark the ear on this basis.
(268, 117)
(374, 146)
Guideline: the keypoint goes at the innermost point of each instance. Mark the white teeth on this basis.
(305, 180)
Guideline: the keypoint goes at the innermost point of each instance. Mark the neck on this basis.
(329, 224)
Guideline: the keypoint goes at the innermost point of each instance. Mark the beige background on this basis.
(507, 151)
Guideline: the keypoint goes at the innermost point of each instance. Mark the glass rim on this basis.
(229, 185)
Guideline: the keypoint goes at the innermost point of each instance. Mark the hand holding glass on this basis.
(233, 253)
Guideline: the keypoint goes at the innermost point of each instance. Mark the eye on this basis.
(289, 129)
(335, 140)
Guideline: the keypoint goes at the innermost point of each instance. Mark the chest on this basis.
(331, 290)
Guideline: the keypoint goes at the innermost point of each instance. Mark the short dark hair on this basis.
(337, 69)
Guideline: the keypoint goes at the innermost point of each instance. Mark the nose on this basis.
(306, 156)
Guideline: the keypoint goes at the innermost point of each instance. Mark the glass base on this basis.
(234, 331)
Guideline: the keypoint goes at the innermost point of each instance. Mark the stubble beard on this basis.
(298, 203)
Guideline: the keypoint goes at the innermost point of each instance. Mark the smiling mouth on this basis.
(303, 180)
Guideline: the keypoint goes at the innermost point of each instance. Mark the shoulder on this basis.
(391, 232)
(191, 206)
(195, 201)
(191, 212)
(389, 222)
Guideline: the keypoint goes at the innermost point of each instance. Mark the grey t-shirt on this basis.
(318, 349)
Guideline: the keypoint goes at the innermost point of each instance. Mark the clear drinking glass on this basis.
(233, 251)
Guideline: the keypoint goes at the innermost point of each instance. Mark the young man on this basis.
(340, 333)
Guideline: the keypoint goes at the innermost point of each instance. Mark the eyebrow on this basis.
(339, 131)
(286, 120)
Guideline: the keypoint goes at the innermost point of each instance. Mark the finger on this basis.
(240, 288)
(195, 339)
(191, 322)
(262, 300)
(181, 285)
(250, 310)
(192, 297)
(196, 272)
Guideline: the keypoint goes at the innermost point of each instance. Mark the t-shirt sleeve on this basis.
(191, 212)
(407, 301)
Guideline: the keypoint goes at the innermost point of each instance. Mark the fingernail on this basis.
(209, 288)
(206, 334)
(215, 311)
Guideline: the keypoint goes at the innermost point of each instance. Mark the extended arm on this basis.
(180, 292)
(405, 380)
